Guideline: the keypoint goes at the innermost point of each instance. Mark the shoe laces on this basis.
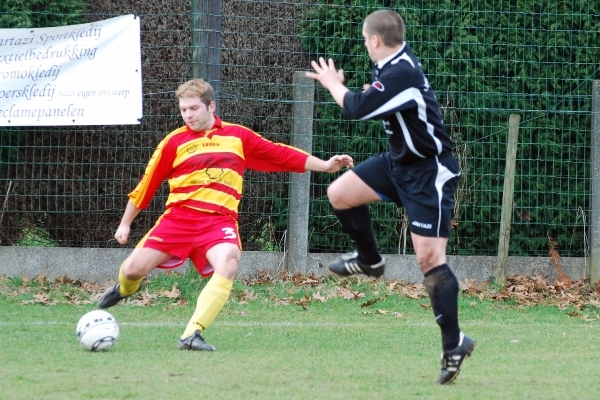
(450, 362)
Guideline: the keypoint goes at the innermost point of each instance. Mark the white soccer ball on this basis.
(97, 330)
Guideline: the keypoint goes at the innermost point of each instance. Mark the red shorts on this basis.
(186, 233)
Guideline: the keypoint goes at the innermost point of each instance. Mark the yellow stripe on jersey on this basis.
(216, 144)
(211, 196)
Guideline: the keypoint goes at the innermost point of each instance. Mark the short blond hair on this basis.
(386, 24)
(196, 88)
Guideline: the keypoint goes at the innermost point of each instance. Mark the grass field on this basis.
(299, 339)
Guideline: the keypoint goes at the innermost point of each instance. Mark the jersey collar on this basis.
(208, 133)
(381, 63)
(218, 123)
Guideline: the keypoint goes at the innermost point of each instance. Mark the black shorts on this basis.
(425, 188)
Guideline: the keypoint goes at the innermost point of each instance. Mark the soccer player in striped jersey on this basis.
(204, 162)
(417, 172)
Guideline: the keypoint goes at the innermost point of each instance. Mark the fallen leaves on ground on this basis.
(526, 290)
(580, 299)
(173, 293)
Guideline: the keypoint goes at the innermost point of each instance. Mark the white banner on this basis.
(88, 74)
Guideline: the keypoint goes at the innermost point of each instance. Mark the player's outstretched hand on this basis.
(122, 234)
(326, 73)
(337, 162)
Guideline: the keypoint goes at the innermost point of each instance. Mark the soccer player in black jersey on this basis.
(418, 172)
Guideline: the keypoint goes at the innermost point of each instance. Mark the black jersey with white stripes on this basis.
(400, 95)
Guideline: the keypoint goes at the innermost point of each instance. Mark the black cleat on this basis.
(349, 264)
(453, 359)
(195, 342)
(111, 297)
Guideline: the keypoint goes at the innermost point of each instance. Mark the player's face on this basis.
(197, 115)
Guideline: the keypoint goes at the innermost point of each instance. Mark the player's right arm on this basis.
(330, 78)
(131, 211)
(375, 100)
(398, 87)
(158, 169)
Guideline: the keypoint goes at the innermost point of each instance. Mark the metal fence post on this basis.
(302, 125)
(595, 186)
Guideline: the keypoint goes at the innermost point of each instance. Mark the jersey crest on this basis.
(378, 85)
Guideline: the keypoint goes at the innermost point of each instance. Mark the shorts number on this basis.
(229, 233)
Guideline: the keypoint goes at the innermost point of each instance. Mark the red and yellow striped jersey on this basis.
(205, 169)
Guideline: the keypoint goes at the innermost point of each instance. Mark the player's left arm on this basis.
(334, 164)
(263, 155)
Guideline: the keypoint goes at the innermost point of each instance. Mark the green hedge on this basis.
(486, 60)
(40, 13)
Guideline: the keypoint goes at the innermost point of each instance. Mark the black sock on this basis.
(442, 287)
(357, 224)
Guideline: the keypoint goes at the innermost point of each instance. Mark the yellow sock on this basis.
(127, 287)
(210, 303)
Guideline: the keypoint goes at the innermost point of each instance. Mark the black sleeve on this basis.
(390, 93)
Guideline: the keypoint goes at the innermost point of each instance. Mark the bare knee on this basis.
(430, 261)
(227, 269)
(224, 258)
(430, 252)
(426, 261)
(141, 262)
(335, 194)
(349, 191)
(132, 268)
